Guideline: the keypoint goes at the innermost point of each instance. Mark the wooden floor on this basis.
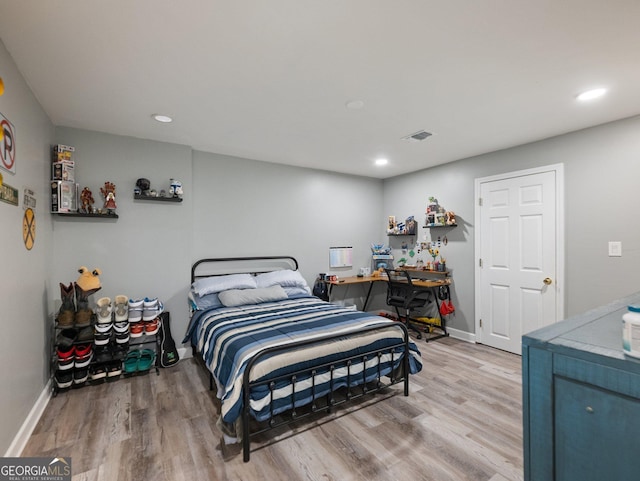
(462, 421)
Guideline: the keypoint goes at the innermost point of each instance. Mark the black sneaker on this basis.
(66, 337)
(102, 353)
(120, 351)
(97, 372)
(114, 369)
(122, 337)
(85, 334)
(80, 376)
(101, 338)
(64, 379)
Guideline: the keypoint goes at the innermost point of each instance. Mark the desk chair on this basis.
(401, 293)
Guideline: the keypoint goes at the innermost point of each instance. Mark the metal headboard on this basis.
(220, 266)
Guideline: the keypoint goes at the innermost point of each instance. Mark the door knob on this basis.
(547, 281)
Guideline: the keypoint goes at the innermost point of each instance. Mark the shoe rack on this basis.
(97, 350)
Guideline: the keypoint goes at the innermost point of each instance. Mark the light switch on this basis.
(615, 249)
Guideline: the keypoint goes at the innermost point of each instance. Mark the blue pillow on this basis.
(200, 303)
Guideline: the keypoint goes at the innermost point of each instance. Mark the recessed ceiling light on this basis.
(382, 161)
(162, 118)
(592, 94)
(354, 104)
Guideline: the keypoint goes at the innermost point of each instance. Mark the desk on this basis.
(423, 283)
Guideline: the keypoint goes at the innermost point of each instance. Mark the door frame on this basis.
(560, 238)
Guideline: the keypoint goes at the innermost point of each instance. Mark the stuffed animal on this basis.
(88, 283)
(89, 280)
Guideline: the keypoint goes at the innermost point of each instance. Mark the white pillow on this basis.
(211, 285)
(241, 297)
(284, 278)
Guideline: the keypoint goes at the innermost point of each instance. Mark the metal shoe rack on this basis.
(116, 358)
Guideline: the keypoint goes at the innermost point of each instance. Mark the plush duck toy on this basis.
(89, 280)
(88, 283)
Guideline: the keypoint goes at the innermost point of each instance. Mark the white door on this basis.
(519, 247)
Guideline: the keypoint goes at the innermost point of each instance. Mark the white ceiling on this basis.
(269, 80)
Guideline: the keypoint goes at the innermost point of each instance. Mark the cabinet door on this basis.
(596, 433)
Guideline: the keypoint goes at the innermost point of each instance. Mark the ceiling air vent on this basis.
(418, 136)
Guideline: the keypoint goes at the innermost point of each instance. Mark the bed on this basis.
(275, 353)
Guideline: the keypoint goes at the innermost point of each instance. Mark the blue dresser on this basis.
(581, 399)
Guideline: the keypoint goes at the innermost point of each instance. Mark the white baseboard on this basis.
(29, 424)
(455, 333)
(462, 335)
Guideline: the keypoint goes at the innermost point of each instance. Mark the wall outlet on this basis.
(615, 249)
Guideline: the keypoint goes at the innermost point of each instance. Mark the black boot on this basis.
(67, 309)
(83, 312)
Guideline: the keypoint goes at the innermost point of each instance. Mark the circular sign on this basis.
(29, 228)
(7, 151)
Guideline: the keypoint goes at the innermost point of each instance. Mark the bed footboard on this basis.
(357, 384)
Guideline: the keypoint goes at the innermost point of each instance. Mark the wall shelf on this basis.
(435, 226)
(84, 214)
(156, 199)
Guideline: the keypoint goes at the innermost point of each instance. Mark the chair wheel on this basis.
(419, 336)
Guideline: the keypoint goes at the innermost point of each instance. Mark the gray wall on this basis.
(244, 207)
(601, 172)
(146, 251)
(24, 290)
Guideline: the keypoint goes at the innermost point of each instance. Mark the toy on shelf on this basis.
(451, 218)
(407, 227)
(175, 188)
(437, 216)
(380, 249)
(109, 194)
(86, 198)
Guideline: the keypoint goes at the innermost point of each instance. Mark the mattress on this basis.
(228, 337)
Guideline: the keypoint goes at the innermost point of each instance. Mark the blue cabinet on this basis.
(581, 400)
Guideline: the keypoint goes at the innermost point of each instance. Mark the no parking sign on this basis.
(7, 145)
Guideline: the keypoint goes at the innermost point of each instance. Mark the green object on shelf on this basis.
(147, 356)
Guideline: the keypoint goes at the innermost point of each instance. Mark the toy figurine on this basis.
(451, 218)
(175, 188)
(109, 194)
(86, 197)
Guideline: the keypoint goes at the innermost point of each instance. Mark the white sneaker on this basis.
(135, 310)
(152, 308)
(103, 310)
(121, 308)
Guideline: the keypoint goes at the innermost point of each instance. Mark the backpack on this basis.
(320, 290)
(168, 354)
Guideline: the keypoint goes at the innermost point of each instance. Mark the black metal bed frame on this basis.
(355, 389)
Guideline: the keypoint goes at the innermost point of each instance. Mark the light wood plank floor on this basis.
(462, 421)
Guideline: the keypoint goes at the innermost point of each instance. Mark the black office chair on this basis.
(401, 293)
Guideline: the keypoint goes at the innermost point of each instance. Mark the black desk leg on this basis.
(366, 301)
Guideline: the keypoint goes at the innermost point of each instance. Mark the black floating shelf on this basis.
(399, 235)
(432, 226)
(157, 199)
(83, 214)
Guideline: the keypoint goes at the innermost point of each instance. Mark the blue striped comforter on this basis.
(228, 337)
